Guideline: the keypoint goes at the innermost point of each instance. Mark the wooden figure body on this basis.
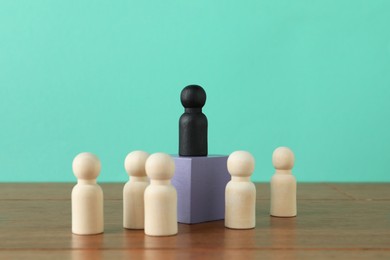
(133, 191)
(160, 197)
(193, 123)
(283, 184)
(240, 193)
(87, 196)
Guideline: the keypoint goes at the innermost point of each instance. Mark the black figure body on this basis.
(193, 123)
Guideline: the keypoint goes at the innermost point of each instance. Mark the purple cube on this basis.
(200, 183)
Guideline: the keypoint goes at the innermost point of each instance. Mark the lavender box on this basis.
(200, 183)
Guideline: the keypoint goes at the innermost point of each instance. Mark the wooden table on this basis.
(342, 221)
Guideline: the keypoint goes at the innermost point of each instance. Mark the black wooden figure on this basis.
(193, 123)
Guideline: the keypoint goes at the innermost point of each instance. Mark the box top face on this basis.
(210, 156)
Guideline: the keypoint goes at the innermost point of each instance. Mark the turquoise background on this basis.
(105, 77)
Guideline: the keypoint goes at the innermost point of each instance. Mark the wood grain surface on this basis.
(339, 221)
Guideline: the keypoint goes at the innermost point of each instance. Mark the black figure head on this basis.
(193, 96)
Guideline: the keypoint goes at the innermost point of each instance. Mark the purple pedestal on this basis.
(200, 183)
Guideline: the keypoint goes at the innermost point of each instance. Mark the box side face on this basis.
(208, 183)
(182, 182)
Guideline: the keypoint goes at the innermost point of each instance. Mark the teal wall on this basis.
(105, 77)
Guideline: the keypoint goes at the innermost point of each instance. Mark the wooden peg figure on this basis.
(240, 192)
(133, 191)
(283, 184)
(87, 196)
(193, 123)
(160, 197)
